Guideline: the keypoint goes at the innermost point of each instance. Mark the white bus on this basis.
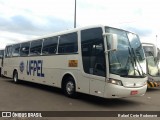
(1, 61)
(153, 69)
(96, 60)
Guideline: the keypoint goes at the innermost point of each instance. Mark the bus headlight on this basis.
(116, 82)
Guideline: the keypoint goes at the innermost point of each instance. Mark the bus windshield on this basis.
(128, 60)
(152, 62)
(152, 66)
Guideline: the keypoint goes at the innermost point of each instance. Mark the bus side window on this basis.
(36, 47)
(15, 50)
(1, 53)
(24, 50)
(68, 43)
(50, 45)
(8, 51)
(93, 56)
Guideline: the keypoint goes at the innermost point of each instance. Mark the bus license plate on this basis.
(134, 92)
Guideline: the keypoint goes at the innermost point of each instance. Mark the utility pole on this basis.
(75, 15)
(156, 40)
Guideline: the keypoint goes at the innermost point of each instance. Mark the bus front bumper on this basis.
(116, 91)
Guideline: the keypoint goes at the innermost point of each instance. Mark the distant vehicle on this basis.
(153, 68)
(97, 60)
(1, 61)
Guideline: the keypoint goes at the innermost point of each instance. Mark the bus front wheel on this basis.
(69, 87)
(15, 77)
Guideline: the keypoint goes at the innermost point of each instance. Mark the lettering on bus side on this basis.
(35, 68)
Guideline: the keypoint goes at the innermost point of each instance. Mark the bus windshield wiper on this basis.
(133, 62)
(136, 59)
(130, 60)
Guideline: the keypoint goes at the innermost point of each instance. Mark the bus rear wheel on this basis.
(69, 87)
(15, 77)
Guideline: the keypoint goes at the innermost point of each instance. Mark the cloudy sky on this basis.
(26, 19)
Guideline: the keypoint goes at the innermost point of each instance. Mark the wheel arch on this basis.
(67, 75)
(15, 70)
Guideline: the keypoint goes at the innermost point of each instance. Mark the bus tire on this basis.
(69, 87)
(15, 77)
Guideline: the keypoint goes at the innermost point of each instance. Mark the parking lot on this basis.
(35, 97)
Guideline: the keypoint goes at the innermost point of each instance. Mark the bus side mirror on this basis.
(150, 48)
(113, 41)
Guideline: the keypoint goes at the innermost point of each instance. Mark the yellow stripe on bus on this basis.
(156, 85)
(148, 85)
(152, 84)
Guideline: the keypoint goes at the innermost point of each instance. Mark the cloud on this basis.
(16, 24)
(26, 27)
(32, 26)
(25, 19)
(55, 24)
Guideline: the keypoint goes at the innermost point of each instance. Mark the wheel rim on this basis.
(70, 87)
